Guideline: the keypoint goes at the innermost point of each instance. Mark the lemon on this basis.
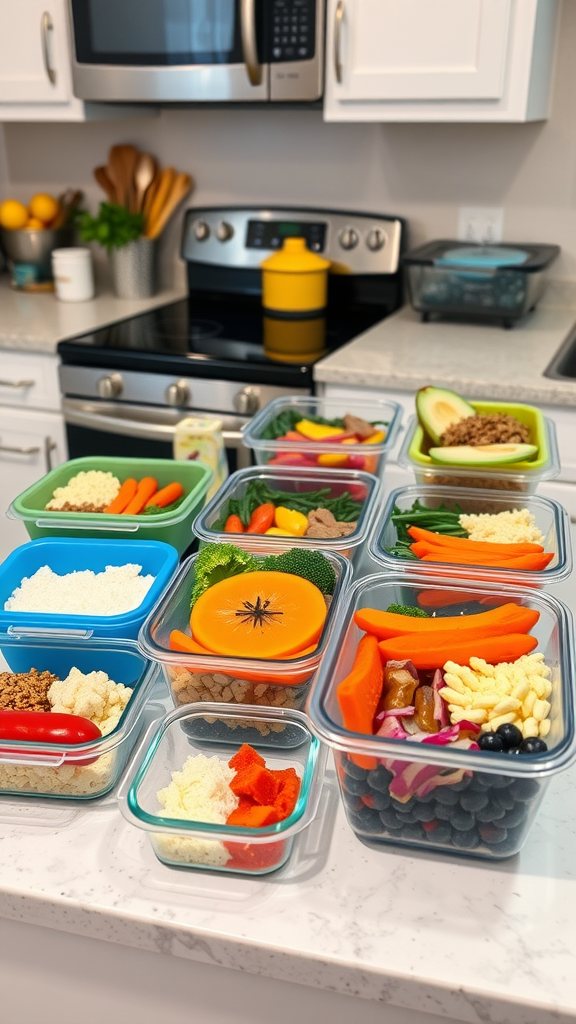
(33, 224)
(13, 215)
(43, 207)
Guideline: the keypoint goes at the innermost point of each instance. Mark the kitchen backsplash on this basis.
(423, 172)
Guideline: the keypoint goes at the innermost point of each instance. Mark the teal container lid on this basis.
(482, 258)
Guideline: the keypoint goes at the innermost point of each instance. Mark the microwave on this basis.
(197, 51)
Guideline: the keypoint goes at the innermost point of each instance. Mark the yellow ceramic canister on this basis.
(296, 341)
(294, 280)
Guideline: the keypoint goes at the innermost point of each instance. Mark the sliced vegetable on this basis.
(261, 519)
(167, 496)
(387, 624)
(217, 562)
(180, 641)
(290, 521)
(146, 488)
(359, 693)
(492, 649)
(317, 431)
(234, 525)
(529, 562)
(463, 543)
(125, 495)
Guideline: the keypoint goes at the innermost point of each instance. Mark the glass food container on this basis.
(88, 770)
(199, 844)
(468, 802)
(232, 680)
(519, 476)
(549, 516)
(328, 455)
(363, 488)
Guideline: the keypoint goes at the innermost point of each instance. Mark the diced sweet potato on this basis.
(245, 756)
(257, 782)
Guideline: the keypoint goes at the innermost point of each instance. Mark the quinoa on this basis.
(492, 428)
(26, 691)
(90, 491)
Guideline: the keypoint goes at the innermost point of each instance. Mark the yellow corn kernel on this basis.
(479, 665)
(506, 705)
(539, 686)
(530, 727)
(528, 704)
(463, 715)
(521, 690)
(453, 697)
(541, 710)
(454, 682)
(547, 689)
(502, 720)
(544, 727)
(486, 702)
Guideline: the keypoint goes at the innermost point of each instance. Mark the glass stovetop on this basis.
(216, 337)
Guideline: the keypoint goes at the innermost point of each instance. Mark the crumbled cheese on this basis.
(94, 488)
(491, 695)
(515, 527)
(94, 696)
(118, 589)
(199, 792)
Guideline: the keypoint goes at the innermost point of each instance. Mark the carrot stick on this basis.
(123, 498)
(389, 624)
(444, 637)
(533, 562)
(166, 496)
(443, 540)
(491, 649)
(146, 488)
(358, 694)
(421, 548)
(182, 642)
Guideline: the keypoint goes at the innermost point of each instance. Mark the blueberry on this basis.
(515, 816)
(352, 769)
(459, 787)
(492, 835)
(447, 795)
(354, 786)
(424, 812)
(474, 800)
(381, 800)
(504, 799)
(513, 840)
(466, 839)
(405, 808)
(533, 745)
(389, 819)
(525, 789)
(442, 812)
(412, 832)
(491, 741)
(461, 820)
(511, 735)
(490, 813)
(442, 834)
(427, 798)
(380, 778)
(367, 820)
(481, 780)
(407, 817)
(501, 781)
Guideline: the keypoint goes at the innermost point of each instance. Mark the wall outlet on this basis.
(480, 223)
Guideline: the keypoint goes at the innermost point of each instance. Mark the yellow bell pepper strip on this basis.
(332, 460)
(317, 431)
(376, 438)
(275, 531)
(295, 523)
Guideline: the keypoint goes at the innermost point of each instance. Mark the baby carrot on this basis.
(146, 488)
(534, 562)
(233, 525)
(262, 518)
(166, 496)
(123, 498)
(443, 540)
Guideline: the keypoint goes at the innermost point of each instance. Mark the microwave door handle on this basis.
(249, 46)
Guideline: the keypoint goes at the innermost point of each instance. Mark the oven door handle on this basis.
(78, 416)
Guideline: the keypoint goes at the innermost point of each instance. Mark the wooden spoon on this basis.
(166, 180)
(181, 187)
(121, 164)
(103, 179)
(144, 174)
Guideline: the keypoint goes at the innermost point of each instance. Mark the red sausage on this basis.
(48, 727)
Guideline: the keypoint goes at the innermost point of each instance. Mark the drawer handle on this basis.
(47, 26)
(19, 451)
(17, 383)
(338, 19)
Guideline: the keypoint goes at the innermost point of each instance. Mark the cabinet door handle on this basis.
(338, 19)
(47, 26)
(249, 47)
(49, 447)
(17, 383)
(20, 451)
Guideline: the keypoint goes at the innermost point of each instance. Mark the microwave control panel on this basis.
(292, 30)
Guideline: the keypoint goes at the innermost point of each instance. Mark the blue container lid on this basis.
(482, 258)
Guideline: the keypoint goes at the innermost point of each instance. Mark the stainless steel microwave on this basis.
(190, 51)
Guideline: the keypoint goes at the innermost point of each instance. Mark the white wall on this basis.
(422, 172)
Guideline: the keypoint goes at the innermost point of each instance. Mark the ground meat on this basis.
(26, 691)
(494, 428)
(85, 507)
(323, 525)
(356, 425)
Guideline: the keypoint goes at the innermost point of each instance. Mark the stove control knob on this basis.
(177, 394)
(201, 231)
(224, 231)
(111, 386)
(247, 401)
(376, 239)
(348, 238)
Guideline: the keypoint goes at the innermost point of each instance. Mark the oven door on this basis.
(138, 431)
(174, 50)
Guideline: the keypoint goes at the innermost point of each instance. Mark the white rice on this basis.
(119, 589)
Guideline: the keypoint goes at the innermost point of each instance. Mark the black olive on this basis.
(533, 745)
(510, 734)
(491, 741)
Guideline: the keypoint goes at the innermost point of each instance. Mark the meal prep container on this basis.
(69, 554)
(292, 481)
(446, 278)
(519, 476)
(260, 681)
(368, 457)
(87, 770)
(550, 517)
(198, 844)
(513, 785)
(173, 527)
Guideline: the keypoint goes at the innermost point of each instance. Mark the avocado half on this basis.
(483, 454)
(440, 408)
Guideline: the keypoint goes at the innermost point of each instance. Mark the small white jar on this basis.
(73, 274)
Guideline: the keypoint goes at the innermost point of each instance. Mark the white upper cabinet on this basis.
(439, 60)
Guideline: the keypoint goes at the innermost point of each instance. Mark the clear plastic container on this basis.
(264, 682)
(363, 487)
(522, 476)
(550, 518)
(199, 844)
(88, 770)
(368, 457)
(477, 803)
(172, 526)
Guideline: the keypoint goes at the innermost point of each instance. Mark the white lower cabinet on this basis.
(31, 443)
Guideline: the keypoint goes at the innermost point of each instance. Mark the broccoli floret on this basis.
(408, 609)
(218, 562)
(311, 565)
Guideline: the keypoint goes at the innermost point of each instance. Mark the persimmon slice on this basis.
(262, 614)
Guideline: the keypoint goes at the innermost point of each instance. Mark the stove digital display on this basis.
(270, 234)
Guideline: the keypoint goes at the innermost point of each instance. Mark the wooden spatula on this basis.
(101, 175)
(144, 174)
(121, 164)
(181, 187)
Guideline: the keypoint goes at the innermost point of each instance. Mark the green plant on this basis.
(113, 227)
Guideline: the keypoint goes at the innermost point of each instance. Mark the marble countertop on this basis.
(470, 940)
(402, 353)
(36, 323)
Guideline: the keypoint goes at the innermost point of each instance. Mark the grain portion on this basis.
(90, 491)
